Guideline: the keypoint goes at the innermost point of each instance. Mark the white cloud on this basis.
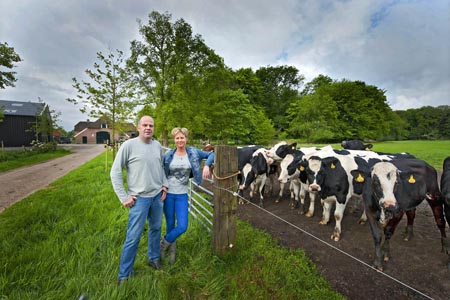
(399, 46)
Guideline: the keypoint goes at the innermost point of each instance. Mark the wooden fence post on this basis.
(225, 203)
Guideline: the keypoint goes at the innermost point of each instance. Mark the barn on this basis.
(24, 122)
(100, 131)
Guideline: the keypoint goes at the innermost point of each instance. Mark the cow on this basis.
(355, 145)
(390, 189)
(291, 171)
(278, 152)
(255, 174)
(445, 196)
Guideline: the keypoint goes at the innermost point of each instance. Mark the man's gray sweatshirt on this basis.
(144, 171)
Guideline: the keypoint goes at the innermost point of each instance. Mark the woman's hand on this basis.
(206, 172)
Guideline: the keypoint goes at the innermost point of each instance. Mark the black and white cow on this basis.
(292, 171)
(445, 194)
(255, 173)
(355, 145)
(393, 187)
(278, 152)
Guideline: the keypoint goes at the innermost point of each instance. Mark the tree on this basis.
(110, 92)
(280, 88)
(168, 53)
(7, 59)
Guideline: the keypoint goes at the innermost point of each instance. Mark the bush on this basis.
(40, 147)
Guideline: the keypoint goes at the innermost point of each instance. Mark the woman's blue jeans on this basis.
(176, 207)
(145, 208)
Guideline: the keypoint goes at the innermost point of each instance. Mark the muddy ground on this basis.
(417, 269)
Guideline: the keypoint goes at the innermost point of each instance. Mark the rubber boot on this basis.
(172, 250)
(163, 248)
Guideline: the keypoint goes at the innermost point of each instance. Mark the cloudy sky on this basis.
(399, 46)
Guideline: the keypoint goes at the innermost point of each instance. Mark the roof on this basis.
(17, 108)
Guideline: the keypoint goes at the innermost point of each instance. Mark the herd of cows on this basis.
(389, 184)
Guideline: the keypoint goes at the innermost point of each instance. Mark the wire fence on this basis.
(201, 207)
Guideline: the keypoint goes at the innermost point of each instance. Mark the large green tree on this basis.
(109, 93)
(280, 86)
(7, 59)
(168, 53)
(342, 110)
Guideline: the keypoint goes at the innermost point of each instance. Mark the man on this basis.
(147, 188)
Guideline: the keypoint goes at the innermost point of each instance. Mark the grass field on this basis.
(433, 152)
(15, 159)
(65, 241)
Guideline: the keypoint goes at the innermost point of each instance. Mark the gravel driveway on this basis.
(19, 183)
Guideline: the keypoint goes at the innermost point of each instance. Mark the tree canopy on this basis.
(109, 92)
(181, 82)
(7, 59)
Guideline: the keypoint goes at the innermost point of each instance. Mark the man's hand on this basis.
(130, 202)
(164, 193)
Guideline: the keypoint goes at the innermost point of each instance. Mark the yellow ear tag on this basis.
(359, 178)
(332, 166)
(411, 179)
(301, 168)
(293, 148)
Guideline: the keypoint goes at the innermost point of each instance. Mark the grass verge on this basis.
(65, 241)
(15, 159)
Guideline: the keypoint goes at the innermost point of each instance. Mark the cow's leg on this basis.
(437, 207)
(376, 235)
(363, 219)
(312, 203)
(261, 190)
(292, 191)
(326, 204)
(389, 232)
(338, 215)
(280, 194)
(409, 232)
(302, 195)
(295, 191)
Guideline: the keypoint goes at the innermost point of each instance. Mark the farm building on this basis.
(24, 122)
(100, 131)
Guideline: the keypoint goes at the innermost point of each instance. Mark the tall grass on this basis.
(15, 159)
(65, 241)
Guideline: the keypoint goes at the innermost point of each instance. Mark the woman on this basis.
(180, 164)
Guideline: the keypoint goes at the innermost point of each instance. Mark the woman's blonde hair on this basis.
(183, 130)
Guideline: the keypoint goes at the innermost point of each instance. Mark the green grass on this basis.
(433, 152)
(65, 240)
(15, 159)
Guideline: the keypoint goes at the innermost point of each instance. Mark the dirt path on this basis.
(19, 183)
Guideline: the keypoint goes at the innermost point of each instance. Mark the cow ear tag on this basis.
(301, 168)
(411, 179)
(333, 166)
(359, 178)
(293, 148)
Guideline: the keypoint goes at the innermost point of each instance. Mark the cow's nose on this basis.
(314, 187)
(241, 187)
(390, 203)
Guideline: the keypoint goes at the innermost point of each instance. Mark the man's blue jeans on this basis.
(145, 208)
(176, 206)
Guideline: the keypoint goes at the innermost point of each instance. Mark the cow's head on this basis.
(385, 180)
(280, 150)
(259, 164)
(285, 175)
(313, 165)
